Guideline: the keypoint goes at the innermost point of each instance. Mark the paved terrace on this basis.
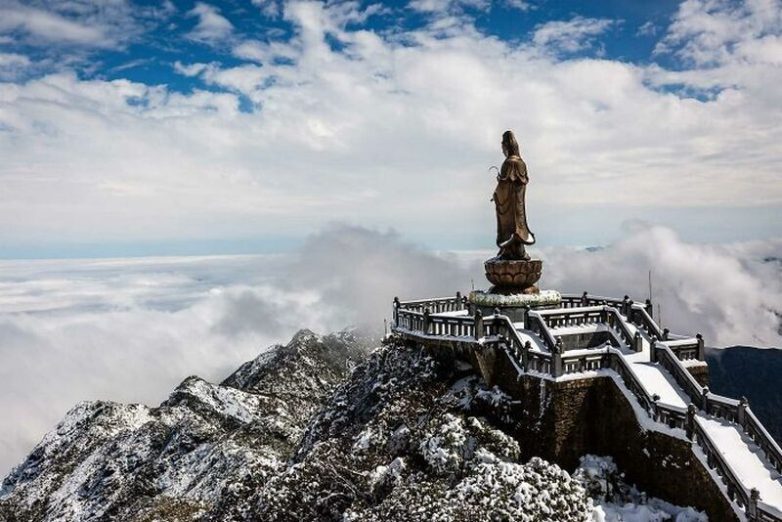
(647, 362)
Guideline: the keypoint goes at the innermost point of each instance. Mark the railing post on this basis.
(396, 312)
(525, 316)
(604, 315)
(584, 298)
(701, 348)
(458, 300)
(741, 411)
(638, 341)
(652, 350)
(705, 395)
(427, 321)
(556, 359)
(666, 334)
(649, 308)
(630, 311)
(625, 305)
(752, 506)
(478, 324)
(689, 426)
(525, 355)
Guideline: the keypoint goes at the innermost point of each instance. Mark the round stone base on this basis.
(512, 305)
(544, 298)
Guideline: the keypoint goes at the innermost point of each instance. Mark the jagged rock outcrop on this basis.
(198, 456)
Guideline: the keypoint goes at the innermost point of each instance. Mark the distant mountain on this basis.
(754, 373)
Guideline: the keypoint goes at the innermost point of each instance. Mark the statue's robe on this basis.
(512, 229)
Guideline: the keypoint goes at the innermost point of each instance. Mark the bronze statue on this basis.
(513, 233)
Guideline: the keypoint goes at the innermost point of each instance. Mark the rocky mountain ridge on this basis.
(318, 429)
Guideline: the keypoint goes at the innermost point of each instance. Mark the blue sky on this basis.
(206, 127)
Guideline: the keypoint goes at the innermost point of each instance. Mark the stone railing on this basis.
(535, 323)
(586, 299)
(639, 315)
(574, 317)
(435, 305)
(592, 315)
(687, 348)
(733, 411)
(663, 354)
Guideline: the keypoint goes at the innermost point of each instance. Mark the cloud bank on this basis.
(132, 329)
(337, 118)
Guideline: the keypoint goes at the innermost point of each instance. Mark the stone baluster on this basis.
(396, 311)
(741, 411)
(752, 506)
(705, 395)
(701, 348)
(689, 426)
(556, 358)
(427, 321)
(638, 341)
(525, 355)
(478, 324)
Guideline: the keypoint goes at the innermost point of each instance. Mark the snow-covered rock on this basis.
(317, 430)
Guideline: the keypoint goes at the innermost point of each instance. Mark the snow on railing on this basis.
(663, 354)
(586, 299)
(715, 460)
(639, 315)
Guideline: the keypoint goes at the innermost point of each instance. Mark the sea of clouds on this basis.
(132, 329)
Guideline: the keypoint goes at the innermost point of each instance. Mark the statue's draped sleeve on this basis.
(509, 199)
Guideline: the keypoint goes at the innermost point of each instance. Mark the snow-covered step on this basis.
(745, 458)
(658, 381)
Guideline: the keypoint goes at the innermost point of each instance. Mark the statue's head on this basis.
(510, 147)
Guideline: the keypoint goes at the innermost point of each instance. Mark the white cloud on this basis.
(647, 29)
(443, 6)
(12, 65)
(211, 26)
(131, 329)
(714, 32)
(521, 5)
(77, 23)
(47, 26)
(572, 35)
(396, 128)
(270, 8)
